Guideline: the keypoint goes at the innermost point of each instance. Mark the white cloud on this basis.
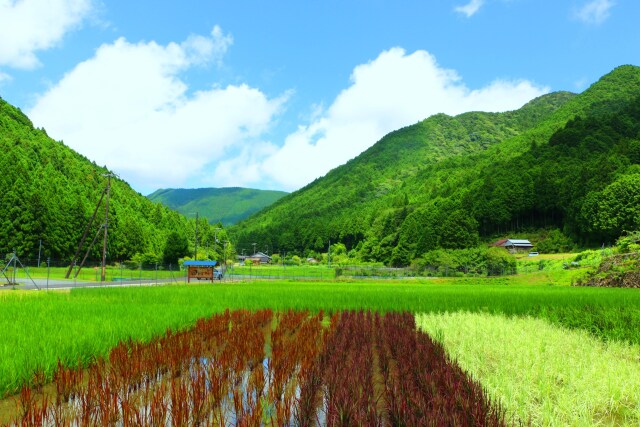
(28, 26)
(390, 92)
(205, 49)
(127, 108)
(595, 12)
(246, 169)
(4, 77)
(470, 8)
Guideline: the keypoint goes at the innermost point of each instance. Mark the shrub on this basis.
(500, 262)
(629, 243)
(555, 242)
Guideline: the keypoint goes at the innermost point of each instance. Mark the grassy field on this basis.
(310, 272)
(541, 373)
(40, 327)
(92, 274)
(549, 268)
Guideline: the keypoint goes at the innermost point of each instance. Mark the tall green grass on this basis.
(93, 274)
(310, 272)
(541, 373)
(37, 328)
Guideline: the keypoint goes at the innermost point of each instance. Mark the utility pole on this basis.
(224, 250)
(215, 238)
(196, 246)
(39, 252)
(329, 254)
(84, 235)
(106, 229)
(254, 248)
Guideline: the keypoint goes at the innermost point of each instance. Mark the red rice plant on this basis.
(179, 403)
(68, 382)
(424, 387)
(158, 407)
(31, 414)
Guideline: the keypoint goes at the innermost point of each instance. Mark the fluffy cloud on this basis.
(4, 77)
(128, 108)
(394, 90)
(595, 12)
(27, 26)
(470, 8)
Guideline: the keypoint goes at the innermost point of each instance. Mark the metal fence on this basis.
(34, 273)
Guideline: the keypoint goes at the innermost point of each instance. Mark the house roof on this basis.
(513, 242)
(519, 242)
(259, 255)
(201, 263)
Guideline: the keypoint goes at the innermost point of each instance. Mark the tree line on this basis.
(48, 192)
(563, 162)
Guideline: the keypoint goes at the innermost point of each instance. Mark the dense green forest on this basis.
(223, 205)
(48, 192)
(565, 162)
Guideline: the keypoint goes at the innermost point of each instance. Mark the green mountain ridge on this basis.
(220, 205)
(49, 192)
(446, 182)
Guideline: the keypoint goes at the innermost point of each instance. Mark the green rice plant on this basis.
(40, 327)
(542, 373)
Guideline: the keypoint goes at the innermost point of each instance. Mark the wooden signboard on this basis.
(201, 270)
(200, 273)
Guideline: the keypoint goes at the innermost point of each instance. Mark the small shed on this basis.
(515, 245)
(201, 270)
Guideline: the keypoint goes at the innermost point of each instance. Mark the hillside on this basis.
(224, 205)
(563, 160)
(48, 192)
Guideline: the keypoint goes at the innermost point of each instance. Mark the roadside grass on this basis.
(321, 272)
(93, 274)
(77, 326)
(541, 373)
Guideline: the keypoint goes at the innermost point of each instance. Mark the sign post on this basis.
(201, 270)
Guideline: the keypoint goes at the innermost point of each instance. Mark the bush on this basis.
(458, 262)
(629, 243)
(500, 262)
(555, 242)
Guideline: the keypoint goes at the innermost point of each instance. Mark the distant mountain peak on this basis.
(226, 205)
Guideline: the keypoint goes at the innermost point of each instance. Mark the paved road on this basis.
(41, 284)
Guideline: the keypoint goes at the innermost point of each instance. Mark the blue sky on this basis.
(273, 94)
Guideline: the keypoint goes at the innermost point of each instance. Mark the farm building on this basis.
(257, 258)
(514, 245)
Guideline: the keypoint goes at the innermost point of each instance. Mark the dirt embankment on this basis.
(616, 271)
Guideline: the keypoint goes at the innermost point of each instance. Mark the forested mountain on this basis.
(566, 161)
(224, 205)
(48, 192)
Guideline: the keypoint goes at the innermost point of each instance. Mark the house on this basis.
(514, 245)
(257, 258)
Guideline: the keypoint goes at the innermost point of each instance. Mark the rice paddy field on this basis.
(534, 354)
